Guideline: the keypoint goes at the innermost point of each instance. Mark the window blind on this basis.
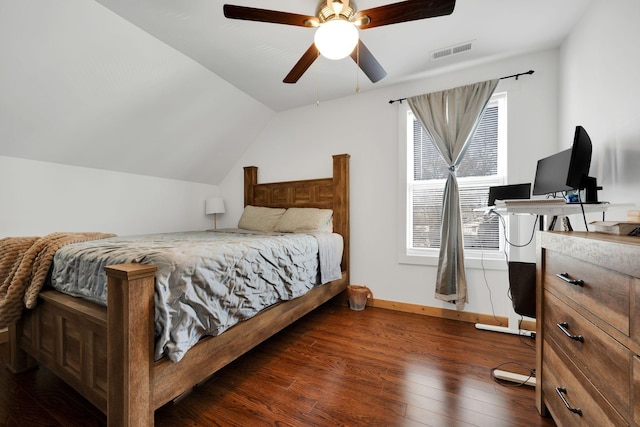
(476, 173)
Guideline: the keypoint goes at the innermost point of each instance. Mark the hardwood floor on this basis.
(334, 367)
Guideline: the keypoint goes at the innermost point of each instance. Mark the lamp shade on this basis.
(214, 205)
(336, 39)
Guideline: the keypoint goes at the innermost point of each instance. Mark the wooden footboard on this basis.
(67, 335)
(73, 338)
(107, 354)
(108, 362)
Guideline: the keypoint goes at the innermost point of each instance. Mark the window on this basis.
(483, 166)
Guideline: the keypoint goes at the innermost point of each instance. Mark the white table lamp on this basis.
(214, 206)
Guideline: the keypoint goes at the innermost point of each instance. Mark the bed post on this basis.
(341, 204)
(19, 360)
(250, 179)
(130, 347)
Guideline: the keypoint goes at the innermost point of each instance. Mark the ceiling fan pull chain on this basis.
(318, 84)
(358, 68)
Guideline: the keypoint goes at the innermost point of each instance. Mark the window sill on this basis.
(489, 262)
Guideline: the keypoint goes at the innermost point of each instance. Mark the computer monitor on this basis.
(552, 173)
(511, 191)
(578, 175)
(580, 163)
(568, 170)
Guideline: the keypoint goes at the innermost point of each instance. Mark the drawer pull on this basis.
(561, 391)
(566, 278)
(564, 327)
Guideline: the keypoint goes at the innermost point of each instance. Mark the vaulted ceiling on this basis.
(167, 87)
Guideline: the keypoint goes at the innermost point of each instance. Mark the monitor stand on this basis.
(591, 190)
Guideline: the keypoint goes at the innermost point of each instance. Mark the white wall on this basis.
(299, 144)
(37, 198)
(599, 90)
(81, 85)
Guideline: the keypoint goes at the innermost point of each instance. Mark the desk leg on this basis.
(566, 224)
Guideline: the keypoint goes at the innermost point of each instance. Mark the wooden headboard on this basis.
(325, 193)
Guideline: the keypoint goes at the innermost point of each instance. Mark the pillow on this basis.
(305, 219)
(259, 218)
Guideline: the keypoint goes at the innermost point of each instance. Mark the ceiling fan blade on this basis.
(368, 63)
(409, 10)
(264, 15)
(302, 65)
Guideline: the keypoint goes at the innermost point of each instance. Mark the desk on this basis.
(542, 209)
(545, 209)
(533, 208)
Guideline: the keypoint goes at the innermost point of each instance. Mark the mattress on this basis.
(207, 281)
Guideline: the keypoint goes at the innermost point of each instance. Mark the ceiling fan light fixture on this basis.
(337, 6)
(336, 39)
(337, 23)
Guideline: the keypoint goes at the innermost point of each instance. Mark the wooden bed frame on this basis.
(69, 335)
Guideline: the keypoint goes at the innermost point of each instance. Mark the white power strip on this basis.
(504, 330)
(515, 378)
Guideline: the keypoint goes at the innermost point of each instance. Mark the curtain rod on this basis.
(501, 78)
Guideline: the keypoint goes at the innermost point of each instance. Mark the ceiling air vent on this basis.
(449, 51)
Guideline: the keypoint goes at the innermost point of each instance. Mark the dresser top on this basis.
(619, 253)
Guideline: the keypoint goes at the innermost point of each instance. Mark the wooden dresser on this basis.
(588, 328)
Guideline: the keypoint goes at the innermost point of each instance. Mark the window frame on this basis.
(474, 258)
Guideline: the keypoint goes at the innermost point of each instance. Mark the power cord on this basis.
(584, 216)
(506, 240)
(486, 283)
(492, 214)
(525, 380)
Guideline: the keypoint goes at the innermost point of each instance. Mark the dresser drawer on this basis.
(602, 292)
(562, 380)
(603, 360)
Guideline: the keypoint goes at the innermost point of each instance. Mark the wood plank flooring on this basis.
(335, 367)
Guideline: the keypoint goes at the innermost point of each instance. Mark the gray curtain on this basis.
(451, 117)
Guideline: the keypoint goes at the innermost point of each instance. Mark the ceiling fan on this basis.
(337, 23)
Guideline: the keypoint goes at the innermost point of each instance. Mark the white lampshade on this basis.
(336, 39)
(214, 205)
